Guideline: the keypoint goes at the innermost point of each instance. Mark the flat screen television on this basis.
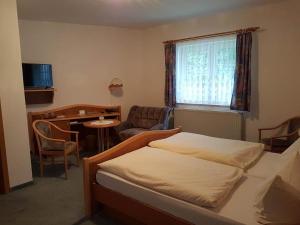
(37, 75)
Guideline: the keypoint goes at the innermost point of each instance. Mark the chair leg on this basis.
(271, 145)
(66, 166)
(77, 157)
(41, 166)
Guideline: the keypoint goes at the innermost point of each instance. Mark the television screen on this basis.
(37, 75)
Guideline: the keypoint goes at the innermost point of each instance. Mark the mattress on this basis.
(238, 208)
(230, 152)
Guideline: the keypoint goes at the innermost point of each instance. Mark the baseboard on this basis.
(21, 186)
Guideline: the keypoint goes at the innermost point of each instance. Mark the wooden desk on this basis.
(102, 127)
(65, 116)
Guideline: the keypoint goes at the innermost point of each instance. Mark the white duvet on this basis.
(197, 181)
(231, 152)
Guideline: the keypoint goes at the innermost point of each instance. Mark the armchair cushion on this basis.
(123, 126)
(125, 134)
(147, 117)
(158, 126)
(141, 119)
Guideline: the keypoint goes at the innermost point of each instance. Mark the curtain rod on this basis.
(250, 29)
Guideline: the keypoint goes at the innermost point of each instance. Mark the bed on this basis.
(137, 204)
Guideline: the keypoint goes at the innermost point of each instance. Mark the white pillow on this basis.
(278, 201)
(230, 152)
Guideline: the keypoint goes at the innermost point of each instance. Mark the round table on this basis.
(102, 127)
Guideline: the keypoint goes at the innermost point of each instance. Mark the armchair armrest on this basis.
(283, 136)
(76, 133)
(64, 131)
(123, 126)
(270, 128)
(158, 126)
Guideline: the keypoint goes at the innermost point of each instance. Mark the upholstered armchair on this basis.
(142, 119)
(287, 133)
(53, 147)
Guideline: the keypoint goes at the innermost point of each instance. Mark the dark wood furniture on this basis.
(117, 204)
(53, 147)
(102, 131)
(39, 96)
(64, 117)
(287, 133)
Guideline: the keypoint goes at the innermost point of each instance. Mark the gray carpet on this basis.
(50, 200)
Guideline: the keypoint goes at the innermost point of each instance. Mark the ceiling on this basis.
(125, 13)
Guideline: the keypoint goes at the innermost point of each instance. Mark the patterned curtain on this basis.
(241, 94)
(170, 64)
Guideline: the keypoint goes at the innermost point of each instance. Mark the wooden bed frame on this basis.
(126, 209)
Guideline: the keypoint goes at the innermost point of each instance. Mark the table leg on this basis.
(107, 138)
(98, 140)
(102, 139)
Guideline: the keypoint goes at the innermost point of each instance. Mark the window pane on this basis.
(205, 71)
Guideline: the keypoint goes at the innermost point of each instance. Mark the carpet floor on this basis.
(50, 200)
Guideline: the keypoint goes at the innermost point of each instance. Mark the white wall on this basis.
(85, 59)
(276, 74)
(12, 97)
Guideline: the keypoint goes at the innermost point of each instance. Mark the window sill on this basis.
(205, 108)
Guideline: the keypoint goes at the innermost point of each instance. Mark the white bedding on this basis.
(278, 199)
(265, 166)
(193, 180)
(231, 152)
(238, 208)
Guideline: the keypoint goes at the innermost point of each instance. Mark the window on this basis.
(205, 71)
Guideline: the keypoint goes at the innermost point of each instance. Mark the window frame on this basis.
(216, 107)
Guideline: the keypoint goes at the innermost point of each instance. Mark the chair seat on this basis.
(59, 146)
(125, 134)
(276, 142)
(71, 146)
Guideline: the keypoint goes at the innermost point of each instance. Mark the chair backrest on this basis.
(147, 117)
(42, 128)
(293, 125)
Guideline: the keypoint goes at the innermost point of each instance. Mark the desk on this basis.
(65, 116)
(102, 127)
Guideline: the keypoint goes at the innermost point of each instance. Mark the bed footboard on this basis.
(90, 164)
(133, 208)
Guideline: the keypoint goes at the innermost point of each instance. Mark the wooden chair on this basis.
(53, 147)
(278, 143)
